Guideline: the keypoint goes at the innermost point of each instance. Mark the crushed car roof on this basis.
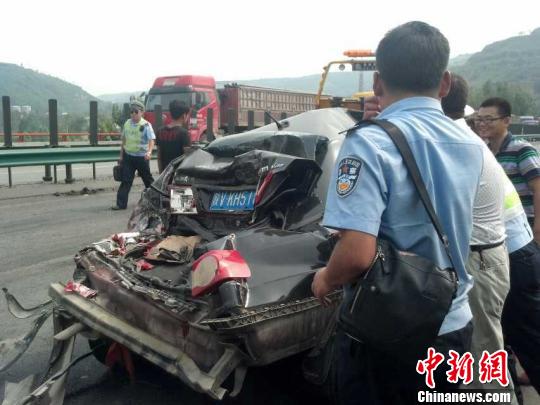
(328, 122)
(300, 136)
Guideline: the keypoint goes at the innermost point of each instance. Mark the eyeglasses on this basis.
(134, 111)
(486, 120)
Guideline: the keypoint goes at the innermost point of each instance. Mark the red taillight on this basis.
(262, 187)
(214, 268)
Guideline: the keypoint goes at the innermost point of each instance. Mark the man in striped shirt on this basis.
(520, 159)
(521, 162)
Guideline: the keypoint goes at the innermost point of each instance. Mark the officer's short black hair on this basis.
(177, 108)
(503, 106)
(413, 57)
(454, 103)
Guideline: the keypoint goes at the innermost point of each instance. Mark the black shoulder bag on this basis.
(400, 302)
(117, 172)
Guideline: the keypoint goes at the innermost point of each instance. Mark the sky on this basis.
(118, 46)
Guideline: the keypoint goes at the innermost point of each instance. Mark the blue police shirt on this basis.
(373, 193)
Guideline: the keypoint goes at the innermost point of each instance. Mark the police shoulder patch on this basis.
(347, 175)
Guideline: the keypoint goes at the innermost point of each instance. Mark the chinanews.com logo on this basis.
(469, 397)
(492, 367)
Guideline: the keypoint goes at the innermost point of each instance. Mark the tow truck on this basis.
(359, 60)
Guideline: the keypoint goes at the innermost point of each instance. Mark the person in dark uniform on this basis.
(172, 139)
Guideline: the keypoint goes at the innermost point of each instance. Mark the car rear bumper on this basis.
(172, 359)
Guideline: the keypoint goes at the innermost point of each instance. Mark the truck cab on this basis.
(197, 92)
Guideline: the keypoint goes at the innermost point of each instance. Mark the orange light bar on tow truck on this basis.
(358, 53)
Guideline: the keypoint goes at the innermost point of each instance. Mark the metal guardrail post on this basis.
(53, 129)
(53, 122)
(267, 119)
(93, 127)
(53, 132)
(251, 120)
(210, 136)
(93, 132)
(231, 121)
(69, 174)
(53, 136)
(125, 113)
(6, 110)
(158, 117)
(8, 140)
(47, 176)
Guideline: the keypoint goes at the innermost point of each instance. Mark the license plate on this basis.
(182, 201)
(233, 200)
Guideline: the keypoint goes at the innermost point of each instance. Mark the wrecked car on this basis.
(214, 275)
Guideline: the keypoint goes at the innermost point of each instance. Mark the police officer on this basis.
(374, 196)
(138, 140)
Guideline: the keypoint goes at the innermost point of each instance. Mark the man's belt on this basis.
(480, 248)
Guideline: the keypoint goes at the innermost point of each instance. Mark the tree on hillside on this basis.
(107, 124)
(72, 123)
(117, 115)
(522, 100)
(33, 123)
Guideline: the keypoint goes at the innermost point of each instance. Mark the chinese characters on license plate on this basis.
(182, 201)
(233, 200)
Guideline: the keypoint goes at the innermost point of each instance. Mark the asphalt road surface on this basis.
(40, 233)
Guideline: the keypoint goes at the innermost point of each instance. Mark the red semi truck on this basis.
(200, 94)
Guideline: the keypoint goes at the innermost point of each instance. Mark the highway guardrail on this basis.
(17, 157)
(57, 156)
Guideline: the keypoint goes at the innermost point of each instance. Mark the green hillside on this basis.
(28, 87)
(459, 60)
(514, 60)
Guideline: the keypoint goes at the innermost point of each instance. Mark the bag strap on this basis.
(403, 147)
